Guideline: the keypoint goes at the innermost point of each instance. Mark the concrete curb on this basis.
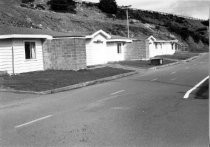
(166, 65)
(175, 63)
(71, 87)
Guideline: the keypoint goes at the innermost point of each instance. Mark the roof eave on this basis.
(120, 40)
(18, 36)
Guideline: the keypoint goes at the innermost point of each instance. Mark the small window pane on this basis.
(119, 49)
(30, 50)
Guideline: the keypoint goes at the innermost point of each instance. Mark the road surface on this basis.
(144, 110)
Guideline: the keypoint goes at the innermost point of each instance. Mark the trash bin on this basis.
(156, 61)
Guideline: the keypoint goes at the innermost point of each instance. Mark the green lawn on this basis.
(203, 91)
(141, 63)
(51, 79)
(180, 55)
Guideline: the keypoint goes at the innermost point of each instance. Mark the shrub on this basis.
(27, 1)
(62, 5)
(108, 6)
(206, 23)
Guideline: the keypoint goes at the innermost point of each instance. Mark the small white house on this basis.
(161, 47)
(21, 52)
(102, 48)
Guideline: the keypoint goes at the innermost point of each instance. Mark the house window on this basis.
(119, 48)
(155, 45)
(30, 50)
(172, 46)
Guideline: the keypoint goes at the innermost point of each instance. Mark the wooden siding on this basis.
(96, 52)
(160, 49)
(112, 54)
(27, 65)
(6, 55)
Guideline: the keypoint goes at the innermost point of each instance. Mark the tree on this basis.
(27, 1)
(108, 6)
(206, 23)
(62, 5)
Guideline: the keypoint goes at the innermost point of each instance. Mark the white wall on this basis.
(27, 65)
(102, 53)
(96, 52)
(162, 49)
(112, 54)
(6, 55)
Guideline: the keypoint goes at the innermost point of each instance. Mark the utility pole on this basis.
(127, 16)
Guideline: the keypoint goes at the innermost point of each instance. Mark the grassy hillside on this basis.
(89, 18)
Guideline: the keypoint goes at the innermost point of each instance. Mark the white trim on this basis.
(119, 40)
(166, 41)
(151, 37)
(98, 32)
(25, 36)
(159, 41)
(57, 38)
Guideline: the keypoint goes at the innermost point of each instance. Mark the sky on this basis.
(192, 8)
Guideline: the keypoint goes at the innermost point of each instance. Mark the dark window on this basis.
(30, 50)
(156, 45)
(119, 48)
(172, 45)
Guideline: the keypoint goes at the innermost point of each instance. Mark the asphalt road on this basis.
(144, 110)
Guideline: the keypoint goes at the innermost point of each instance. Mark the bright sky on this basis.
(193, 8)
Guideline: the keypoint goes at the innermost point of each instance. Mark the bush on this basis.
(27, 1)
(62, 5)
(108, 6)
(206, 23)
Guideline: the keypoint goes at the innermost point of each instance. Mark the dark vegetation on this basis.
(27, 1)
(206, 23)
(178, 25)
(108, 6)
(62, 5)
(51, 79)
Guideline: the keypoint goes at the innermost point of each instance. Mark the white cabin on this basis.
(161, 47)
(102, 48)
(21, 53)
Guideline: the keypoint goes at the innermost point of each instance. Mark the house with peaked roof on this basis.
(160, 47)
(148, 47)
(102, 48)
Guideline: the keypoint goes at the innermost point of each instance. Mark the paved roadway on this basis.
(144, 110)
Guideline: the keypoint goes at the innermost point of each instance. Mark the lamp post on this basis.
(126, 8)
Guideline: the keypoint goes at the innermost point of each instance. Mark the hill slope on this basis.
(89, 18)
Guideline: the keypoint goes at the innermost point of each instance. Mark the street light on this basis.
(126, 7)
